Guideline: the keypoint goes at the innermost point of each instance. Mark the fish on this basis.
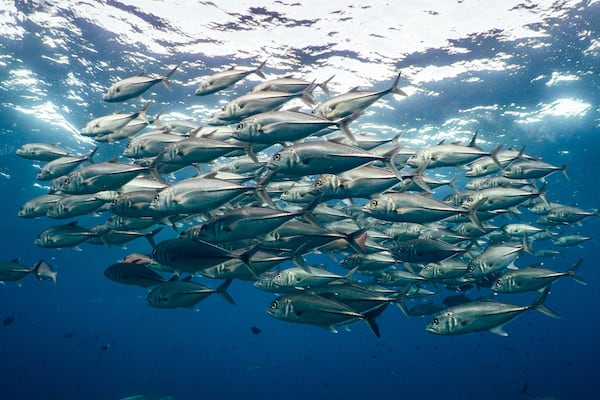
(44, 271)
(354, 101)
(113, 122)
(289, 84)
(299, 278)
(192, 256)
(63, 166)
(69, 206)
(41, 151)
(449, 155)
(38, 206)
(184, 294)
(150, 144)
(286, 126)
(134, 86)
(99, 177)
(570, 240)
(193, 150)
(195, 195)
(569, 214)
(422, 250)
(13, 270)
(531, 169)
(224, 79)
(67, 235)
(397, 277)
(138, 274)
(312, 309)
(370, 182)
(312, 158)
(477, 316)
(239, 224)
(496, 258)
(533, 278)
(410, 207)
(255, 103)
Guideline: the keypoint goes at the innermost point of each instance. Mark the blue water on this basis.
(88, 337)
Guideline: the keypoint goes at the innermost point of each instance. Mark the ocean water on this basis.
(520, 73)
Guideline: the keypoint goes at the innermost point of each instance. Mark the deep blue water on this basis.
(88, 337)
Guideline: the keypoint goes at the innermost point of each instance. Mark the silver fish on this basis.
(41, 151)
(353, 101)
(184, 293)
(134, 86)
(224, 79)
(533, 278)
(59, 236)
(289, 84)
(312, 158)
(482, 315)
(111, 123)
(255, 103)
(239, 224)
(195, 195)
(312, 309)
(62, 166)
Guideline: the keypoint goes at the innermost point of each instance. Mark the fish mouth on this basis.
(431, 329)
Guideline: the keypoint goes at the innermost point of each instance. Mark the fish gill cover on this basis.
(341, 166)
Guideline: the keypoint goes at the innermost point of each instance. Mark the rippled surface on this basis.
(519, 73)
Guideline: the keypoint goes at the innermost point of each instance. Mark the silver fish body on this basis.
(134, 86)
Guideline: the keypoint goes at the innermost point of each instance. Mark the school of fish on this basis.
(263, 187)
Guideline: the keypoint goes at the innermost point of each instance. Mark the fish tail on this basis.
(246, 256)
(494, 155)
(262, 195)
(306, 95)
(323, 85)
(573, 272)
(563, 169)
(395, 89)
(370, 316)
(249, 149)
(396, 139)
(542, 193)
(92, 153)
(142, 113)
(538, 304)
(357, 240)
(526, 245)
(222, 290)
(150, 236)
(165, 79)
(402, 307)
(258, 69)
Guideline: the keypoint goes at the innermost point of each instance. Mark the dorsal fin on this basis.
(473, 139)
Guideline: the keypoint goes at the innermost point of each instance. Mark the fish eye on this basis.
(239, 126)
(435, 321)
(203, 228)
(223, 109)
(277, 157)
(373, 203)
(499, 282)
(156, 197)
(319, 182)
(118, 90)
(67, 181)
(470, 268)
(274, 305)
